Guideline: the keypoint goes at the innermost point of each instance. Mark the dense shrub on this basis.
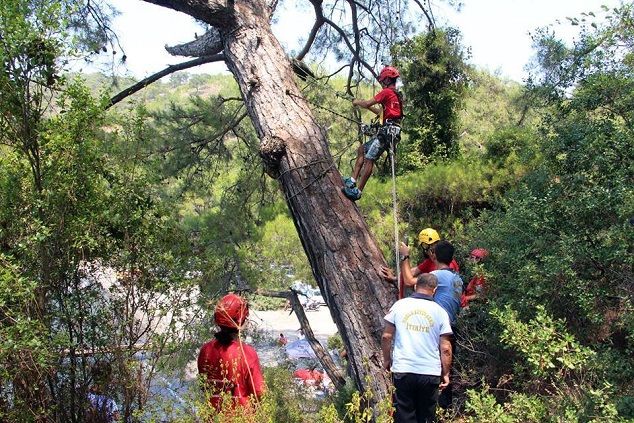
(560, 272)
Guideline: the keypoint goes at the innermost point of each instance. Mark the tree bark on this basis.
(342, 251)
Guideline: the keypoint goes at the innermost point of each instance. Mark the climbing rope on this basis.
(394, 210)
(324, 108)
(244, 359)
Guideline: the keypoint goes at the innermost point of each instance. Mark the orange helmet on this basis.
(231, 311)
(388, 72)
(479, 253)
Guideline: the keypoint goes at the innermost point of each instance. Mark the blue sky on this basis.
(497, 31)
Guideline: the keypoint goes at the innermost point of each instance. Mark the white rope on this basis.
(394, 211)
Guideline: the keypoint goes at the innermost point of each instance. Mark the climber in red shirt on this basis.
(391, 105)
(229, 367)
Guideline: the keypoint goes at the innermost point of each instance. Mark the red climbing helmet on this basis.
(388, 72)
(479, 253)
(231, 311)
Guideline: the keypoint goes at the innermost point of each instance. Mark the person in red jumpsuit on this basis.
(230, 368)
(477, 284)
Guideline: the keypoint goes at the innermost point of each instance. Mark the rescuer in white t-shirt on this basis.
(420, 332)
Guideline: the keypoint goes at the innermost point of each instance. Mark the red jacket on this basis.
(309, 376)
(234, 369)
(392, 108)
(428, 266)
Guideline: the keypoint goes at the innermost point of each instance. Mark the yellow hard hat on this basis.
(428, 236)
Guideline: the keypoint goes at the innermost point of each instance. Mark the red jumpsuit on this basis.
(476, 286)
(233, 369)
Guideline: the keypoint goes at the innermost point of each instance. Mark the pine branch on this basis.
(155, 77)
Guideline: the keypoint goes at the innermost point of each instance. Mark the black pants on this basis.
(446, 395)
(415, 397)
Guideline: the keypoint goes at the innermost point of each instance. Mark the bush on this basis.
(549, 351)
(335, 342)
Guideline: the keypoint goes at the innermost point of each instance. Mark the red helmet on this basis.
(479, 253)
(231, 311)
(388, 72)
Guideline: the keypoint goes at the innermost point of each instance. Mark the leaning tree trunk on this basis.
(342, 251)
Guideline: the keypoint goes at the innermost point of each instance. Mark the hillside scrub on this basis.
(561, 258)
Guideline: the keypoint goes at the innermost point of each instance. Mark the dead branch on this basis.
(322, 355)
(208, 44)
(155, 77)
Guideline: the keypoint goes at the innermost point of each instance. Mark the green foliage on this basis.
(594, 405)
(328, 414)
(281, 251)
(485, 408)
(561, 241)
(210, 171)
(283, 402)
(33, 33)
(509, 145)
(351, 406)
(443, 195)
(602, 48)
(520, 408)
(284, 396)
(342, 397)
(550, 352)
(73, 210)
(625, 407)
(434, 75)
(491, 104)
(24, 343)
(162, 196)
(335, 342)
(260, 302)
(526, 408)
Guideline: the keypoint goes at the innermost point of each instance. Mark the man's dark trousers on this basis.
(415, 397)
(445, 397)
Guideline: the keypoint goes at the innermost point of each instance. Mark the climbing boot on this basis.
(352, 193)
(349, 183)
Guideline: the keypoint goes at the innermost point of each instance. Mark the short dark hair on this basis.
(389, 81)
(427, 280)
(444, 252)
(225, 335)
